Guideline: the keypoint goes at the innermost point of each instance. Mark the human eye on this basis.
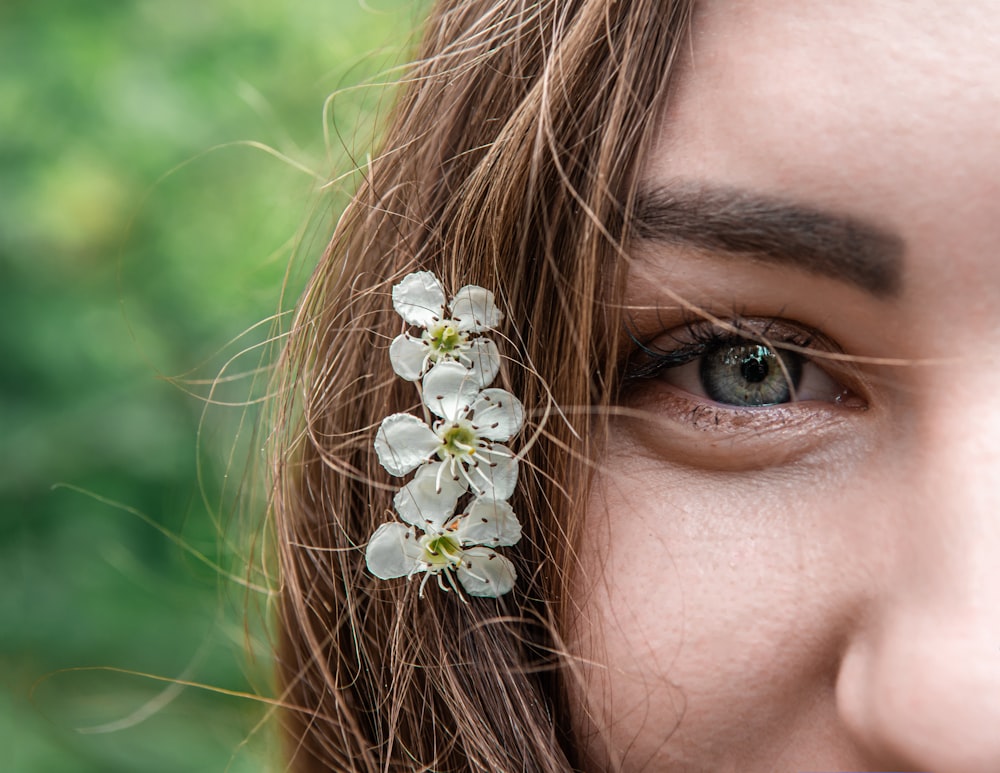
(743, 363)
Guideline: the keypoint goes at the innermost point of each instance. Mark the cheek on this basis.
(709, 613)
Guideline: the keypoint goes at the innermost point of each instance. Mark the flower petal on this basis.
(489, 522)
(449, 389)
(393, 551)
(474, 309)
(484, 360)
(419, 298)
(403, 442)
(497, 414)
(420, 502)
(484, 572)
(407, 355)
(499, 477)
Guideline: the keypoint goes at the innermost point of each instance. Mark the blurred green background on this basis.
(141, 239)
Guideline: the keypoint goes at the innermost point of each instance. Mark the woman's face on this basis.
(810, 585)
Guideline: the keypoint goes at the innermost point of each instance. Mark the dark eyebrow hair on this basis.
(737, 222)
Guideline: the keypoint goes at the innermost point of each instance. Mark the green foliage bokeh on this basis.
(162, 164)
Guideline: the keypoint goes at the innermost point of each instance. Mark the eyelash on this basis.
(696, 338)
(767, 343)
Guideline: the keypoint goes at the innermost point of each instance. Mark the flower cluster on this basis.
(454, 511)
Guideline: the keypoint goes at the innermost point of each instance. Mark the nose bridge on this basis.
(955, 506)
(954, 492)
(920, 682)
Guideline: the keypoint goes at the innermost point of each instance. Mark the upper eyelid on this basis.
(770, 331)
(702, 334)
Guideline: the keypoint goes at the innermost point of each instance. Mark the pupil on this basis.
(754, 369)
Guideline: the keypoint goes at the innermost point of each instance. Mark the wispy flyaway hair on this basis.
(510, 161)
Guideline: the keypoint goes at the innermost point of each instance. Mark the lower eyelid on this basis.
(678, 427)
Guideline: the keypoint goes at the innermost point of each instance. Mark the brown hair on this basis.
(510, 161)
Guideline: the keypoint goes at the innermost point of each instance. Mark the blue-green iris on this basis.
(750, 375)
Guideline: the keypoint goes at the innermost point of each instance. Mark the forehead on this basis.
(768, 84)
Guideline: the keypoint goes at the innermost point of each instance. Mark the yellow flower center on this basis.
(445, 338)
(442, 550)
(458, 440)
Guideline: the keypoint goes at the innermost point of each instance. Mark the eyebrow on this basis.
(730, 221)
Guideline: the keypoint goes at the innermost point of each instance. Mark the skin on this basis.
(814, 586)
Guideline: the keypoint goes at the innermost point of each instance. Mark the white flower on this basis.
(428, 502)
(455, 545)
(464, 439)
(419, 299)
(458, 451)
